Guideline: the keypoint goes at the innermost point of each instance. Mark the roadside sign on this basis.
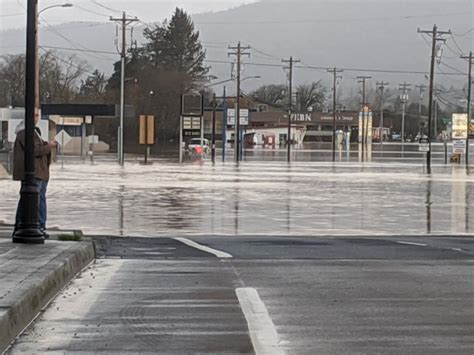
(192, 105)
(192, 127)
(244, 117)
(66, 120)
(424, 144)
(459, 147)
(459, 126)
(63, 138)
(93, 139)
(192, 123)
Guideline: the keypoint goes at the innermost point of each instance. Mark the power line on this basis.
(68, 63)
(105, 7)
(453, 68)
(456, 44)
(311, 67)
(78, 50)
(90, 11)
(74, 43)
(463, 34)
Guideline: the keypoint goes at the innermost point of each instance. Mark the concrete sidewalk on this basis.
(31, 275)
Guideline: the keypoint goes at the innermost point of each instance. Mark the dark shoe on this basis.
(45, 235)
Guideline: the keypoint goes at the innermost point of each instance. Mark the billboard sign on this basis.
(192, 105)
(459, 129)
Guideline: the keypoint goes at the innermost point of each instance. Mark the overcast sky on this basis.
(12, 12)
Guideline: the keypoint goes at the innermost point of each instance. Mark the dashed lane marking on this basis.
(261, 328)
(218, 253)
(411, 243)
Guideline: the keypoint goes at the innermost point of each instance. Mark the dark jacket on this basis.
(42, 154)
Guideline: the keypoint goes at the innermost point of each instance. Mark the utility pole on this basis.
(124, 22)
(404, 88)
(213, 139)
(224, 124)
(436, 37)
(362, 80)
(381, 86)
(334, 72)
(238, 51)
(291, 63)
(469, 91)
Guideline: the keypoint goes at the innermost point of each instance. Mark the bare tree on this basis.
(59, 78)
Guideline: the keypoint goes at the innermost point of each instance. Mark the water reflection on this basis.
(255, 198)
(459, 201)
(428, 203)
(121, 197)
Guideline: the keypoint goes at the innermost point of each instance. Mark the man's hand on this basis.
(52, 143)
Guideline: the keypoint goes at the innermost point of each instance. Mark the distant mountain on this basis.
(338, 33)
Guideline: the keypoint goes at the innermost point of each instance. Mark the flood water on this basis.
(303, 198)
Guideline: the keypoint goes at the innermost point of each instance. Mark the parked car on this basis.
(198, 142)
(396, 137)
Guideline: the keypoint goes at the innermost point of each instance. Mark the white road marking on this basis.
(457, 249)
(415, 244)
(218, 253)
(261, 328)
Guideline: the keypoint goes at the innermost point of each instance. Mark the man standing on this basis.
(42, 157)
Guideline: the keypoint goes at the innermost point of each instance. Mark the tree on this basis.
(12, 80)
(58, 78)
(273, 95)
(93, 88)
(180, 49)
(312, 95)
(170, 63)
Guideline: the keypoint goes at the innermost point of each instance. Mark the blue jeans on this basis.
(42, 209)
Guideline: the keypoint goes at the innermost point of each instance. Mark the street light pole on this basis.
(37, 71)
(28, 229)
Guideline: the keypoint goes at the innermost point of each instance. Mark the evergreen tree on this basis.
(93, 88)
(178, 47)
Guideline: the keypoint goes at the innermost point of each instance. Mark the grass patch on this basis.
(69, 237)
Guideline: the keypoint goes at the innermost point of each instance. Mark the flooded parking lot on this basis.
(303, 198)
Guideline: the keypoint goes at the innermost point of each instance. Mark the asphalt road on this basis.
(269, 295)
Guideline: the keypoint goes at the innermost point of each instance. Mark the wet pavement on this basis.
(323, 296)
(256, 198)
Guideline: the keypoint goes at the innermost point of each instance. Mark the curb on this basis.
(20, 314)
